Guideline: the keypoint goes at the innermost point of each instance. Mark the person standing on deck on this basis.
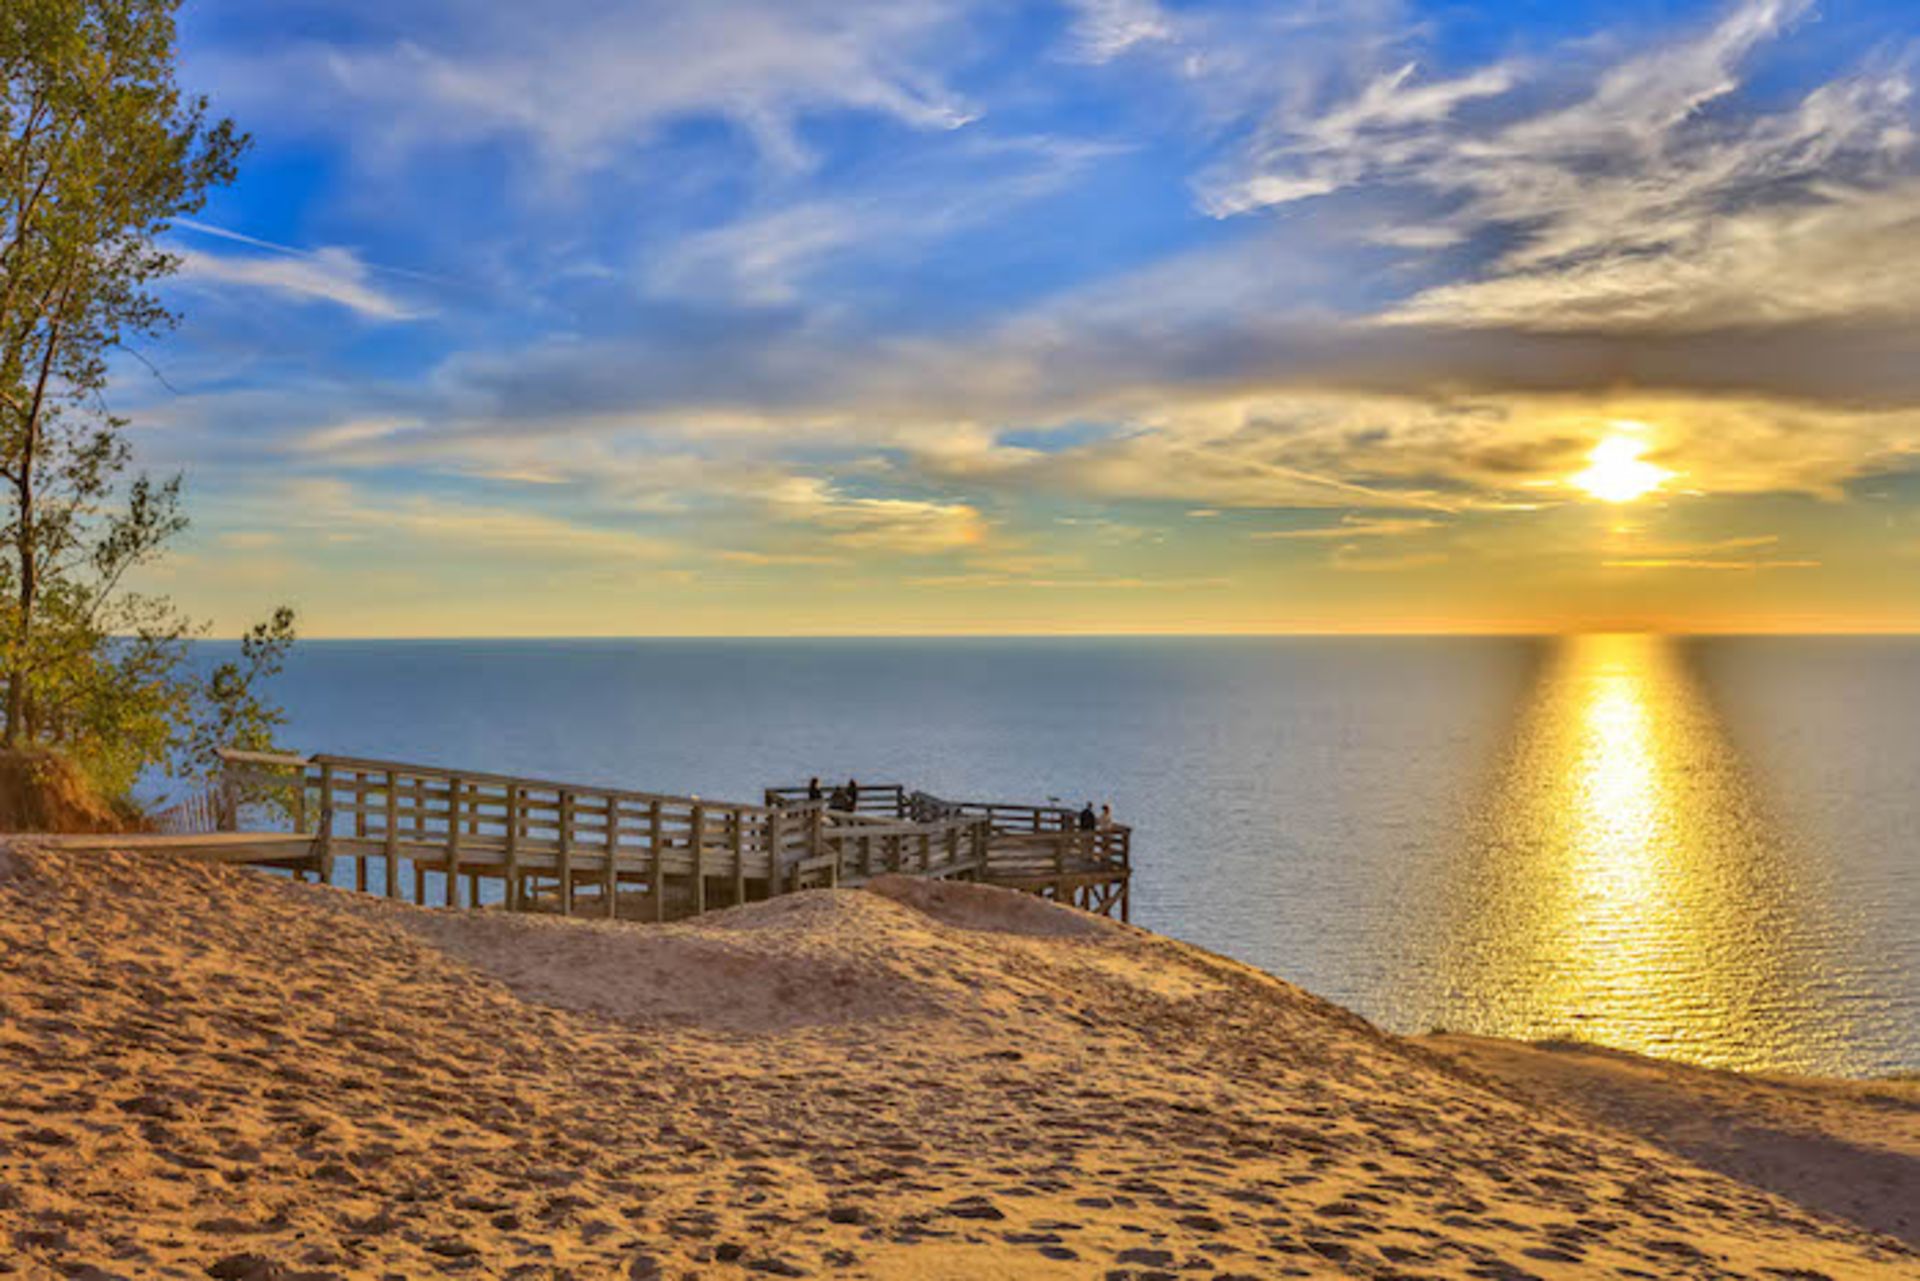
(1086, 817)
(1106, 818)
(813, 789)
(853, 796)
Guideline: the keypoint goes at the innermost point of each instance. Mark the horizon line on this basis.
(1491, 633)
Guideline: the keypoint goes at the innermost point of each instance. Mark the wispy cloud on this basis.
(1354, 526)
(1635, 205)
(331, 275)
(584, 82)
(1105, 29)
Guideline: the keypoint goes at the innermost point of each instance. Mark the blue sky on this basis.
(1090, 315)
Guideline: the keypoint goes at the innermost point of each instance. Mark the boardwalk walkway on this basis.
(432, 835)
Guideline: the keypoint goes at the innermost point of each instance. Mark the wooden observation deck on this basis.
(421, 833)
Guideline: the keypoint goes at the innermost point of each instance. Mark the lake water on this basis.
(1707, 849)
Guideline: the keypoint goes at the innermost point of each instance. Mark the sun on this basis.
(1617, 474)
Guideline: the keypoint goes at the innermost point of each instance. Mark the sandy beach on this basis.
(211, 1072)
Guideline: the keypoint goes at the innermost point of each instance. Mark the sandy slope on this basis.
(1851, 1148)
(207, 1069)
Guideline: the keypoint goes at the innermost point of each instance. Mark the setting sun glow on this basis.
(1617, 474)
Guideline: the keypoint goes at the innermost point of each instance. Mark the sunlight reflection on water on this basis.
(1625, 886)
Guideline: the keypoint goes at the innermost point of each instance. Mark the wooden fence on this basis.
(1038, 848)
(533, 844)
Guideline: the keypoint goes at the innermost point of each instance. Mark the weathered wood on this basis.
(528, 833)
(776, 834)
(324, 843)
(392, 842)
(453, 842)
(566, 853)
(736, 840)
(514, 818)
(610, 883)
(360, 864)
(698, 838)
(656, 859)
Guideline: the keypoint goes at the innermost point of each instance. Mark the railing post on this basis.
(513, 848)
(565, 859)
(656, 855)
(393, 835)
(360, 830)
(611, 883)
(453, 841)
(774, 834)
(736, 839)
(324, 843)
(698, 839)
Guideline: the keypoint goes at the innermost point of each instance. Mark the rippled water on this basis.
(1703, 849)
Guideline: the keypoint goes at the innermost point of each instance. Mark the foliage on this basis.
(228, 710)
(99, 149)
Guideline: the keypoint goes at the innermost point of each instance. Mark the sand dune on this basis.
(1851, 1148)
(210, 1072)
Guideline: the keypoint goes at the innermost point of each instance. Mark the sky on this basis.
(624, 317)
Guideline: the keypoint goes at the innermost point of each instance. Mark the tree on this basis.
(99, 149)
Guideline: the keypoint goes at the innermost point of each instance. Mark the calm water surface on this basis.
(1706, 849)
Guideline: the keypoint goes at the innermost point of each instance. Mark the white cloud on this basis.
(584, 81)
(1646, 200)
(902, 526)
(332, 275)
(416, 526)
(1105, 29)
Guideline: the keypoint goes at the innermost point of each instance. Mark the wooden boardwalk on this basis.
(426, 834)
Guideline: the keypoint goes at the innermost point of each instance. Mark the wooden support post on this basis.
(360, 830)
(773, 834)
(735, 838)
(392, 850)
(514, 887)
(454, 789)
(656, 862)
(697, 838)
(566, 853)
(324, 845)
(612, 880)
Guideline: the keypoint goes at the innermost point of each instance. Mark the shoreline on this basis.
(222, 1070)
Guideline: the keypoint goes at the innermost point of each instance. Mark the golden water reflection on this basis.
(1626, 887)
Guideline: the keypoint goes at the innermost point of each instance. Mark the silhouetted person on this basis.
(853, 796)
(813, 789)
(1087, 819)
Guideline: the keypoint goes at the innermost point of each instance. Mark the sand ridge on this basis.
(214, 1069)
(1851, 1148)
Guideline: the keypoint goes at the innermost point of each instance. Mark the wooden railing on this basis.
(889, 799)
(541, 844)
(1037, 847)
